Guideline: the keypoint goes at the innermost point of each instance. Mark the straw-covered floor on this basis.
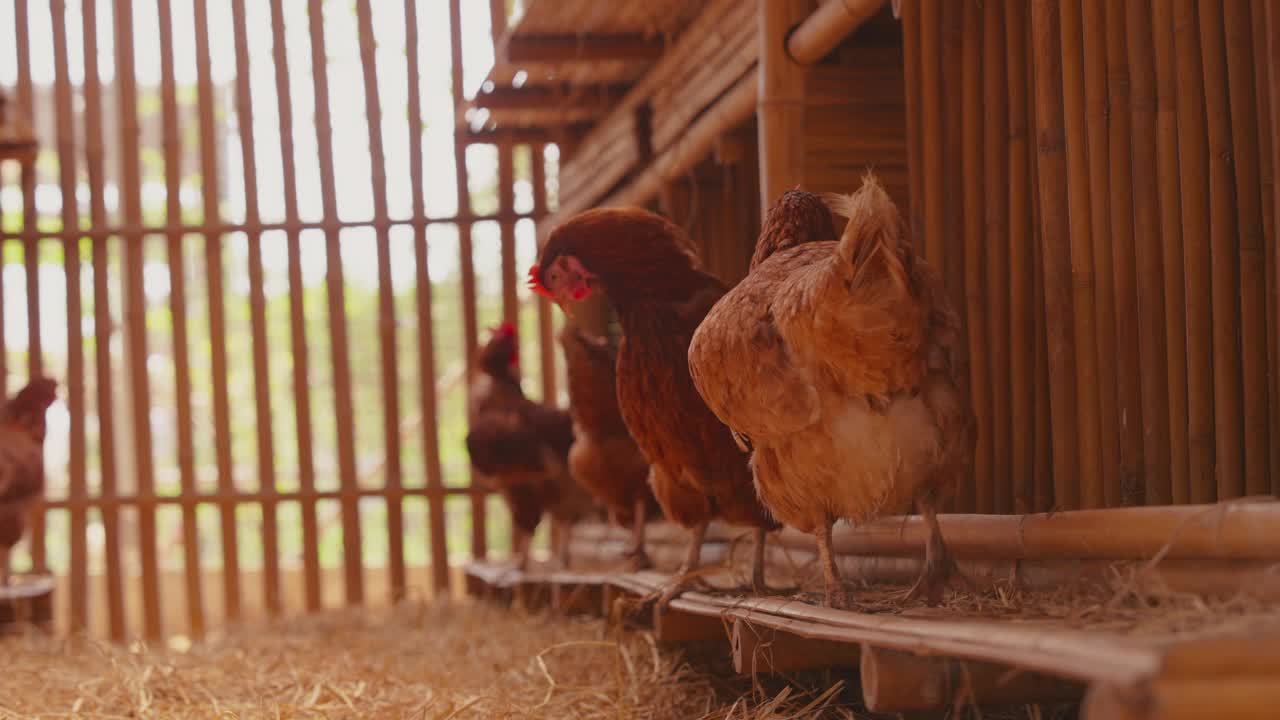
(420, 661)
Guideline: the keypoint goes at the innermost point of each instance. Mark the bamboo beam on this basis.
(426, 331)
(1245, 143)
(178, 313)
(135, 313)
(549, 97)
(103, 324)
(780, 104)
(974, 240)
(587, 47)
(77, 480)
(1154, 349)
(1171, 234)
(896, 681)
(996, 193)
(1022, 303)
(257, 318)
(352, 560)
(1227, 392)
(1058, 268)
(761, 649)
(217, 313)
(297, 314)
(1245, 697)
(244, 497)
(1193, 162)
(827, 27)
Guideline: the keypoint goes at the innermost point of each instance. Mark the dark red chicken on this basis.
(22, 427)
(523, 447)
(642, 262)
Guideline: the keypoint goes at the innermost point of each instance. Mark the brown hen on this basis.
(644, 265)
(834, 360)
(22, 428)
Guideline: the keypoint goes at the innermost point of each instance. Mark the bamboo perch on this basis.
(780, 104)
(895, 681)
(827, 27)
(1244, 697)
(997, 191)
(759, 649)
(1154, 377)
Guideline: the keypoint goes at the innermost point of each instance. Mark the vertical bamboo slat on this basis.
(1127, 357)
(1266, 147)
(975, 238)
(996, 240)
(135, 313)
(386, 305)
(1056, 248)
(545, 331)
(426, 340)
(1171, 234)
(1151, 328)
(297, 314)
(1021, 342)
(506, 209)
(1252, 251)
(1193, 162)
(351, 554)
(466, 267)
(102, 323)
(257, 318)
(1227, 400)
(178, 313)
(1099, 154)
(217, 310)
(780, 104)
(911, 62)
(931, 131)
(77, 480)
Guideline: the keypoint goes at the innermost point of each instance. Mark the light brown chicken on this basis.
(22, 428)
(834, 361)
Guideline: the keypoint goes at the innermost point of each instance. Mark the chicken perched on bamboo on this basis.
(22, 428)
(833, 360)
(604, 459)
(523, 447)
(646, 267)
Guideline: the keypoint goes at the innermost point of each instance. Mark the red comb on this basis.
(535, 282)
(506, 329)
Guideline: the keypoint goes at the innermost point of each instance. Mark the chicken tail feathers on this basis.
(873, 245)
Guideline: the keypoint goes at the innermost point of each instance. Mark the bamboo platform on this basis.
(911, 658)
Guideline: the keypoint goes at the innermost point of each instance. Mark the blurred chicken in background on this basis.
(22, 429)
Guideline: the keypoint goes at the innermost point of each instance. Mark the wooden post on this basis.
(1154, 377)
(178, 312)
(1057, 249)
(975, 240)
(997, 223)
(386, 305)
(102, 322)
(257, 319)
(426, 339)
(297, 315)
(780, 105)
(1171, 234)
(1252, 252)
(895, 681)
(352, 560)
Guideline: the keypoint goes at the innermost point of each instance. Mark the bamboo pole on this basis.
(827, 27)
(1059, 271)
(1273, 72)
(1127, 357)
(102, 322)
(1022, 336)
(297, 314)
(1095, 81)
(1252, 251)
(1194, 164)
(911, 61)
(974, 239)
(244, 497)
(506, 201)
(780, 104)
(1154, 350)
(546, 331)
(386, 305)
(896, 681)
(953, 270)
(135, 314)
(257, 319)
(352, 561)
(1171, 233)
(77, 471)
(426, 330)
(466, 268)
(217, 311)
(1227, 400)
(1266, 144)
(931, 131)
(997, 222)
(1044, 499)
(178, 313)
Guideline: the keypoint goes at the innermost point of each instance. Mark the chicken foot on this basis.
(685, 576)
(523, 544)
(940, 568)
(636, 555)
(836, 594)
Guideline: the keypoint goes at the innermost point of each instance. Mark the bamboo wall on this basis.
(146, 376)
(1096, 179)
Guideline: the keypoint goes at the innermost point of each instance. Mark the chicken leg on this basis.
(4, 567)
(684, 576)
(836, 595)
(939, 567)
(758, 585)
(639, 559)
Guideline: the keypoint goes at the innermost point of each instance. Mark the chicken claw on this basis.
(940, 569)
